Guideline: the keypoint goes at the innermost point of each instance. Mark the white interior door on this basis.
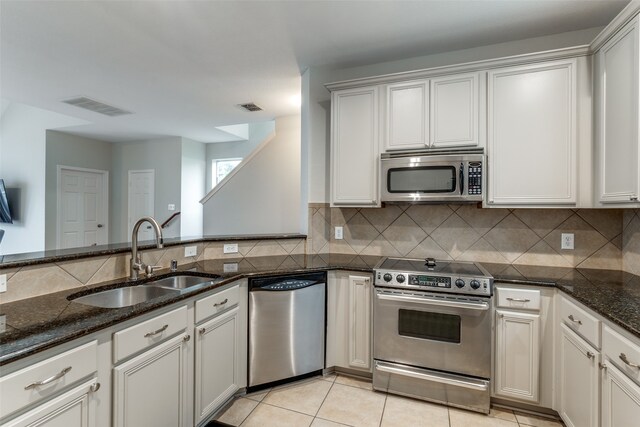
(83, 207)
(141, 201)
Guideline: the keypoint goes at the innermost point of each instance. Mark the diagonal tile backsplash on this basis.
(469, 233)
(631, 241)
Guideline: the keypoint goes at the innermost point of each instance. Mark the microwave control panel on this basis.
(475, 178)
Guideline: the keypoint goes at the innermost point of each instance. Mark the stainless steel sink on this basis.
(124, 297)
(182, 282)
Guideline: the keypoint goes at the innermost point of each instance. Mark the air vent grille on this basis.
(250, 107)
(96, 106)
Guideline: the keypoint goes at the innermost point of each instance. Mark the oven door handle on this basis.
(439, 378)
(467, 305)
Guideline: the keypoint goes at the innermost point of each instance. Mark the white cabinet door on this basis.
(349, 321)
(407, 115)
(617, 107)
(217, 364)
(517, 355)
(620, 399)
(355, 147)
(150, 389)
(360, 322)
(71, 409)
(454, 111)
(531, 147)
(578, 381)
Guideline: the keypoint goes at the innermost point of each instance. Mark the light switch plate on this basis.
(3, 283)
(190, 251)
(339, 233)
(567, 241)
(171, 207)
(230, 248)
(230, 267)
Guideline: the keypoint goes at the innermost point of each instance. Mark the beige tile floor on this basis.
(339, 400)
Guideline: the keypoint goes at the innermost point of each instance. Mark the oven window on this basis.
(431, 326)
(426, 179)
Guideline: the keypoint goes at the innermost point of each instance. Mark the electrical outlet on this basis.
(171, 207)
(339, 233)
(230, 248)
(567, 241)
(3, 323)
(230, 267)
(3, 283)
(190, 251)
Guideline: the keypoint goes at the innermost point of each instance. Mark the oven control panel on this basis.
(452, 284)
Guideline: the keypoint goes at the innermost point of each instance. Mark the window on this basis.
(222, 167)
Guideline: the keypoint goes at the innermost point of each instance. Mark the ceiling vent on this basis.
(96, 106)
(250, 107)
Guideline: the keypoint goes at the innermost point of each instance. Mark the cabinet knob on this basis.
(202, 330)
(590, 355)
(94, 387)
(186, 338)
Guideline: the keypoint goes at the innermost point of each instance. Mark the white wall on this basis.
(193, 187)
(263, 196)
(22, 166)
(318, 112)
(163, 155)
(257, 132)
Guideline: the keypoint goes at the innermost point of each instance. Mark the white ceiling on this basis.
(182, 66)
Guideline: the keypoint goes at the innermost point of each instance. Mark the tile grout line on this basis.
(384, 406)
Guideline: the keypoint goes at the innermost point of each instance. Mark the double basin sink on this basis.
(132, 295)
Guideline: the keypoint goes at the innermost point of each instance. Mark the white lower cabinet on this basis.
(71, 409)
(150, 389)
(579, 374)
(217, 360)
(517, 355)
(620, 399)
(349, 301)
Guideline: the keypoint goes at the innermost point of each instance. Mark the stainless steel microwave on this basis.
(432, 177)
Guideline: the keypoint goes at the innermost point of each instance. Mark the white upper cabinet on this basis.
(437, 113)
(355, 147)
(407, 115)
(617, 100)
(454, 111)
(531, 144)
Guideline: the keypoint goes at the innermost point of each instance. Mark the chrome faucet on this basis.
(136, 259)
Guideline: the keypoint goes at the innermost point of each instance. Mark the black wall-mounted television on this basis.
(5, 212)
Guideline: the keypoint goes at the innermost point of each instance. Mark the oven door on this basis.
(442, 332)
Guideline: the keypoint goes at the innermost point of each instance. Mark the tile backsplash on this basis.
(30, 281)
(631, 241)
(469, 233)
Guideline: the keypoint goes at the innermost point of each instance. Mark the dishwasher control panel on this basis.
(288, 285)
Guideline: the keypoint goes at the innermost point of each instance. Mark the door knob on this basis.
(100, 225)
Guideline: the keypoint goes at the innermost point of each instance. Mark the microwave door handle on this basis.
(461, 178)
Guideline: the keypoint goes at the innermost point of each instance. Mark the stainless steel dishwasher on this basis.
(286, 327)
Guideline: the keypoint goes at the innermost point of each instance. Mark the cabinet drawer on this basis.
(580, 321)
(527, 299)
(19, 389)
(619, 349)
(146, 334)
(217, 303)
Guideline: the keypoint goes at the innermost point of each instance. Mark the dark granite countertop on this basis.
(39, 323)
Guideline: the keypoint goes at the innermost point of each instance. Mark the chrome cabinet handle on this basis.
(159, 331)
(590, 355)
(186, 338)
(633, 199)
(624, 358)
(51, 379)
(602, 366)
(518, 299)
(579, 322)
(94, 387)
(218, 304)
(202, 330)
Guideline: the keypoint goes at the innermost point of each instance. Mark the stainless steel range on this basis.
(432, 331)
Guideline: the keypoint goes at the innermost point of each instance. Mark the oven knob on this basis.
(475, 284)
(387, 277)
(460, 283)
(400, 278)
